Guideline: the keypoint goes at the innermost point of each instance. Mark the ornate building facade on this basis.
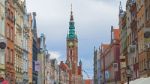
(19, 9)
(30, 42)
(9, 25)
(135, 20)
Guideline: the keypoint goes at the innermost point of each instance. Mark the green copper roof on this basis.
(71, 34)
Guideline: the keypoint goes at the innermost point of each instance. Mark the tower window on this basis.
(71, 52)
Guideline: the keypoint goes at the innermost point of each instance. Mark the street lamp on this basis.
(129, 74)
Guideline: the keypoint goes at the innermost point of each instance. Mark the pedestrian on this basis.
(5, 82)
(2, 81)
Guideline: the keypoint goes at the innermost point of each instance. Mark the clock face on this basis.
(70, 44)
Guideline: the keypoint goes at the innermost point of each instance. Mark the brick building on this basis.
(72, 54)
(30, 47)
(63, 73)
(9, 33)
(136, 21)
(110, 59)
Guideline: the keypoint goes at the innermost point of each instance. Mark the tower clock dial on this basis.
(70, 44)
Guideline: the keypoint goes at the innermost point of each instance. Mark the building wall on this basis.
(64, 73)
(41, 74)
(9, 25)
(140, 25)
(143, 27)
(54, 72)
(30, 43)
(47, 72)
(35, 49)
(18, 42)
(137, 23)
(42, 59)
(124, 36)
(25, 55)
(103, 61)
(110, 59)
(95, 67)
(34, 59)
(109, 74)
(98, 68)
(147, 13)
(2, 18)
(133, 40)
(2, 36)
(146, 39)
(112, 56)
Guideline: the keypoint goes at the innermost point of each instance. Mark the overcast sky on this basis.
(93, 19)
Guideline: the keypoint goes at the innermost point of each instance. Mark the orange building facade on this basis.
(9, 25)
(30, 42)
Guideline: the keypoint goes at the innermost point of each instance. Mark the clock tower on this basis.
(75, 70)
(72, 47)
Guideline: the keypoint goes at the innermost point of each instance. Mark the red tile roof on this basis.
(116, 34)
(64, 66)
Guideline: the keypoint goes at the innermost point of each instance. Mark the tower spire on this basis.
(71, 16)
(72, 33)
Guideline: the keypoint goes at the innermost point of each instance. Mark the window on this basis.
(11, 17)
(2, 57)
(146, 15)
(7, 13)
(10, 30)
(11, 56)
(71, 52)
(1, 27)
(7, 55)
(7, 31)
(11, 34)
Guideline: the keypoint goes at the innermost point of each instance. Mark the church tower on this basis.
(72, 46)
